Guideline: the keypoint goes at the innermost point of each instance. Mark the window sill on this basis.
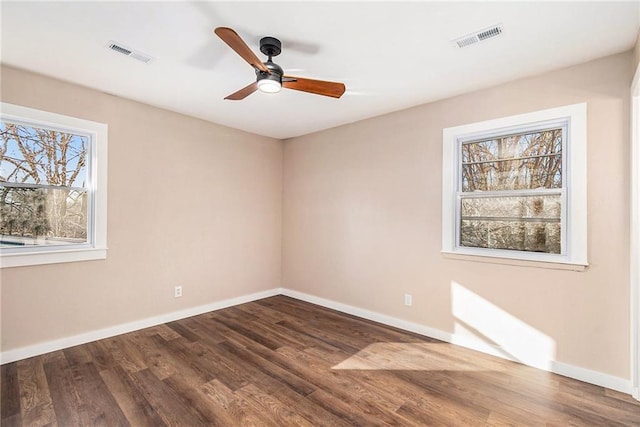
(515, 262)
(52, 257)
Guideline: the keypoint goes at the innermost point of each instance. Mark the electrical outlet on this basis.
(177, 291)
(408, 299)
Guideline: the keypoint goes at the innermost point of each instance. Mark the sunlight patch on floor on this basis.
(415, 356)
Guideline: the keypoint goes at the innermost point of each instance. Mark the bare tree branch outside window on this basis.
(43, 189)
(527, 168)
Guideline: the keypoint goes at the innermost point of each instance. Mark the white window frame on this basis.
(574, 189)
(96, 245)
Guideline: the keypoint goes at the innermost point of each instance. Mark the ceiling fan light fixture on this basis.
(268, 85)
(269, 75)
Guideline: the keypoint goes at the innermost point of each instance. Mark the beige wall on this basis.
(362, 223)
(190, 203)
(636, 53)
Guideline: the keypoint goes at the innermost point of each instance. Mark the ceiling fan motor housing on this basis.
(275, 73)
(270, 46)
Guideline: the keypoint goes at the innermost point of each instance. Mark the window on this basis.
(52, 188)
(516, 187)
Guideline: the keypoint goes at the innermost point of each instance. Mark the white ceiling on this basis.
(390, 55)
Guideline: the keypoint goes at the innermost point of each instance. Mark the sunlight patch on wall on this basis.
(415, 356)
(483, 324)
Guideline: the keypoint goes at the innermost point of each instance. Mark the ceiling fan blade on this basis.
(234, 41)
(319, 87)
(244, 92)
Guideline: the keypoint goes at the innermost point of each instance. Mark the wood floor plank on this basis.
(182, 360)
(281, 335)
(165, 401)
(36, 403)
(265, 314)
(357, 325)
(10, 400)
(272, 408)
(342, 410)
(77, 355)
(282, 362)
(124, 354)
(313, 413)
(208, 330)
(67, 403)
(183, 331)
(130, 398)
(282, 376)
(302, 366)
(202, 331)
(333, 340)
(197, 401)
(99, 405)
(238, 409)
(101, 356)
(153, 357)
(239, 327)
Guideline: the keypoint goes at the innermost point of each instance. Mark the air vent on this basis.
(117, 47)
(479, 36)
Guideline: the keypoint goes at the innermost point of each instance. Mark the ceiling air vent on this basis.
(117, 47)
(478, 36)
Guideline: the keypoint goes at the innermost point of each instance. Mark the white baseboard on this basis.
(59, 344)
(371, 315)
(589, 376)
(571, 371)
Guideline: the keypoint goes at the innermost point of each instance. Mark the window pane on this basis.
(35, 155)
(524, 223)
(516, 162)
(39, 216)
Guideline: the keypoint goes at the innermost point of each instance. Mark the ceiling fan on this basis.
(270, 76)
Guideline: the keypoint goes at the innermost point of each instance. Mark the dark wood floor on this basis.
(283, 362)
